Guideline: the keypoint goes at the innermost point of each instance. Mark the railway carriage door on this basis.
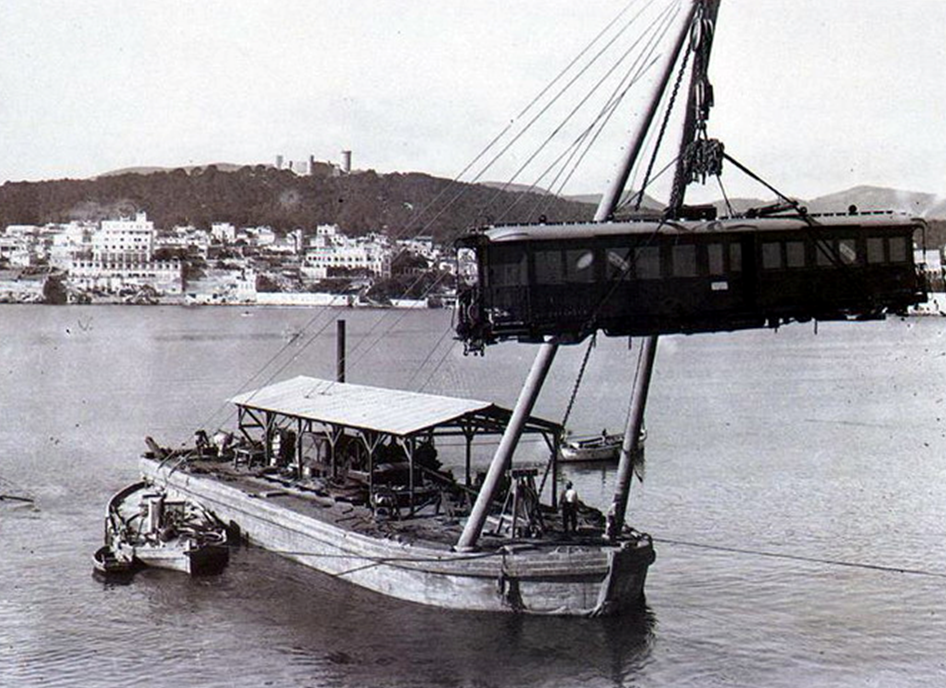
(563, 284)
(742, 259)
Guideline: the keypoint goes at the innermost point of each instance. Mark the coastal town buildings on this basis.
(330, 252)
(184, 239)
(71, 243)
(222, 286)
(131, 260)
(164, 277)
(23, 285)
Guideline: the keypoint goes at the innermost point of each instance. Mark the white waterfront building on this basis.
(224, 232)
(165, 277)
(124, 240)
(122, 258)
(330, 251)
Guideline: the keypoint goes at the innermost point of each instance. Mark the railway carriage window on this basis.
(579, 265)
(875, 250)
(684, 261)
(618, 265)
(647, 262)
(825, 252)
(617, 261)
(795, 254)
(508, 269)
(898, 249)
(771, 255)
(735, 257)
(847, 249)
(714, 257)
(548, 267)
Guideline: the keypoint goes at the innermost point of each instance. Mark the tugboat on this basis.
(149, 526)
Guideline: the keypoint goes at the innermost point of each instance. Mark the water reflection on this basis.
(327, 630)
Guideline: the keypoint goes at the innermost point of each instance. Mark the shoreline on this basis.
(282, 300)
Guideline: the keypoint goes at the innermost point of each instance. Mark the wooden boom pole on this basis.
(547, 350)
(703, 11)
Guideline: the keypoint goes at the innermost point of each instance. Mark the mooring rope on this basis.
(801, 557)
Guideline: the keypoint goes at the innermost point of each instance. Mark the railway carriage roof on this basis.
(389, 411)
(577, 230)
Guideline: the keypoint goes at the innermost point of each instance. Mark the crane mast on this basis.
(695, 34)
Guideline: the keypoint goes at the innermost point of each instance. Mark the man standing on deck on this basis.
(570, 508)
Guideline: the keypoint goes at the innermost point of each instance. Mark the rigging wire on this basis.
(642, 64)
(639, 64)
(564, 89)
(665, 122)
(430, 354)
(464, 190)
(821, 244)
(436, 368)
(801, 557)
(722, 190)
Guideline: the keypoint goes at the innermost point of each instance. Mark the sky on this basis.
(815, 96)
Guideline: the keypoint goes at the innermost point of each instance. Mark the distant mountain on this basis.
(647, 203)
(929, 206)
(516, 188)
(879, 198)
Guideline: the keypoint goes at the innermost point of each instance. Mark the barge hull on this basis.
(568, 580)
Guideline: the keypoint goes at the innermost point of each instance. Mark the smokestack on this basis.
(278, 162)
(346, 161)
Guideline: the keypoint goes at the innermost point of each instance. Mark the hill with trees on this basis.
(403, 204)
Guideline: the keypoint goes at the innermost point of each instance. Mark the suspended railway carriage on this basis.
(650, 277)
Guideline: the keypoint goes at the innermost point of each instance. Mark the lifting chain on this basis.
(581, 374)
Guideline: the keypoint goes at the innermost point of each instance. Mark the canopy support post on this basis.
(468, 433)
(507, 446)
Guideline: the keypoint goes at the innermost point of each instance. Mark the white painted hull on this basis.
(580, 454)
(570, 580)
(181, 557)
(594, 448)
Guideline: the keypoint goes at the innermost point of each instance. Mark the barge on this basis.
(345, 479)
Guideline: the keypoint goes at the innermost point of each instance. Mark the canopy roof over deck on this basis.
(389, 411)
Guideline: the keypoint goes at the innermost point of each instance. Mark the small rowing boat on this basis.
(595, 448)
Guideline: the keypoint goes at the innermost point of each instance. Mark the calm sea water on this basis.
(773, 460)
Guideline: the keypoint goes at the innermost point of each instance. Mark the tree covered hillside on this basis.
(404, 204)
